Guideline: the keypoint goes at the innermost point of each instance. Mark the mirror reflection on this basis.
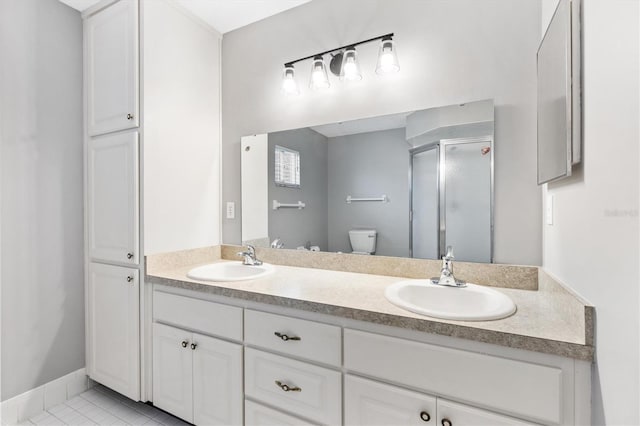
(407, 185)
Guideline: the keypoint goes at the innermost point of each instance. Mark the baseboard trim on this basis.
(35, 401)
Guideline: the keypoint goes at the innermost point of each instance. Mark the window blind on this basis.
(287, 167)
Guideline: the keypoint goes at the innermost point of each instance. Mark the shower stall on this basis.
(451, 199)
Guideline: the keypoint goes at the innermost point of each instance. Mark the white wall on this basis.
(450, 52)
(181, 143)
(593, 243)
(41, 175)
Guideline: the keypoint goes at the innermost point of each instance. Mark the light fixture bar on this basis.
(339, 48)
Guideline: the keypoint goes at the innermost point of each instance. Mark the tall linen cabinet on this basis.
(152, 169)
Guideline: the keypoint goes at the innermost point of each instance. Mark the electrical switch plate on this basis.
(549, 210)
(231, 210)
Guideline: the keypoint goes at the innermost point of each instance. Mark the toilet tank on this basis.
(363, 240)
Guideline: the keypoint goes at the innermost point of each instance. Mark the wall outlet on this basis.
(231, 210)
(548, 213)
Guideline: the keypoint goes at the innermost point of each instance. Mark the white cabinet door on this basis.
(259, 415)
(113, 316)
(112, 192)
(453, 414)
(173, 371)
(371, 403)
(217, 382)
(111, 37)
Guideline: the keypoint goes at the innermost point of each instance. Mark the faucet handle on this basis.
(251, 249)
(449, 255)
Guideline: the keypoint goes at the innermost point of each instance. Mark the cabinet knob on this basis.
(184, 343)
(129, 255)
(285, 337)
(287, 388)
(129, 278)
(446, 422)
(129, 116)
(194, 346)
(425, 416)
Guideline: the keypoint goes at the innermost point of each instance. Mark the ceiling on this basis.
(223, 15)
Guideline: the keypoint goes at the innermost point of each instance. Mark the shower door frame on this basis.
(440, 147)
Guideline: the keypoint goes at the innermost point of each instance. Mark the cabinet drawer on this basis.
(514, 387)
(318, 342)
(198, 315)
(459, 414)
(320, 394)
(370, 403)
(258, 415)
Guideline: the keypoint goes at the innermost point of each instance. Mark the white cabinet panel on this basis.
(111, 38)
(199, 315)
(311, 391)
(485, 380)
(172, 371)
(113, 320)
(217, 382)
(112, 191)
(452, 414)
(259, 415)
(370, 403)
(317, 341)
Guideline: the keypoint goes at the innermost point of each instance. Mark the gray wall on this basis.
(449, 51)
(295, 227)
(41, 181)
(370, 165)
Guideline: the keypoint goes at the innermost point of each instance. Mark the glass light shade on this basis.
(350, 69)
(319, 77)
(289, 85)
(387, 58)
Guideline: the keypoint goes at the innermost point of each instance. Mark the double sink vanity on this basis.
(328, 338)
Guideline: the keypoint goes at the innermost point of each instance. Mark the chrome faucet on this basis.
(446, 273)
(277, 243)
(249, 256)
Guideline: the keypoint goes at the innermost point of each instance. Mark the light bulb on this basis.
(387, 57)
(289, 85)
(319, 77)
(350, 67)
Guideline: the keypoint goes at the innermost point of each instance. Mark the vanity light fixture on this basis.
(387, 57)
(319, 76)
(289, 85)
(344, 64)
(350, 69)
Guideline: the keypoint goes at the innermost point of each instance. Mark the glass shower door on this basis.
(424, 239)
(466, 198)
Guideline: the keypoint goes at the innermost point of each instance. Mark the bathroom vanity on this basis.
(317, 346)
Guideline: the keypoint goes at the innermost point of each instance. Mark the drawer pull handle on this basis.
(129, 255)
(287, 388)
(446, 422)
(194, 346)
(425, 416)
(130, 278)
(285, 337)
(129, 116)
(184, 343)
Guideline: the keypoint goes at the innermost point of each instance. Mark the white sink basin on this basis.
(229, 271)
(470, 303)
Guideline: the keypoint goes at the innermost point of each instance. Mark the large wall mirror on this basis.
(406, 185)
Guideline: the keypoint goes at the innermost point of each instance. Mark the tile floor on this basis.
(102, 406)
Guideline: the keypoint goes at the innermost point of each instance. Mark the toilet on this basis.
(363, 241)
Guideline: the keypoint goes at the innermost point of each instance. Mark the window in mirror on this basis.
(287, 167)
